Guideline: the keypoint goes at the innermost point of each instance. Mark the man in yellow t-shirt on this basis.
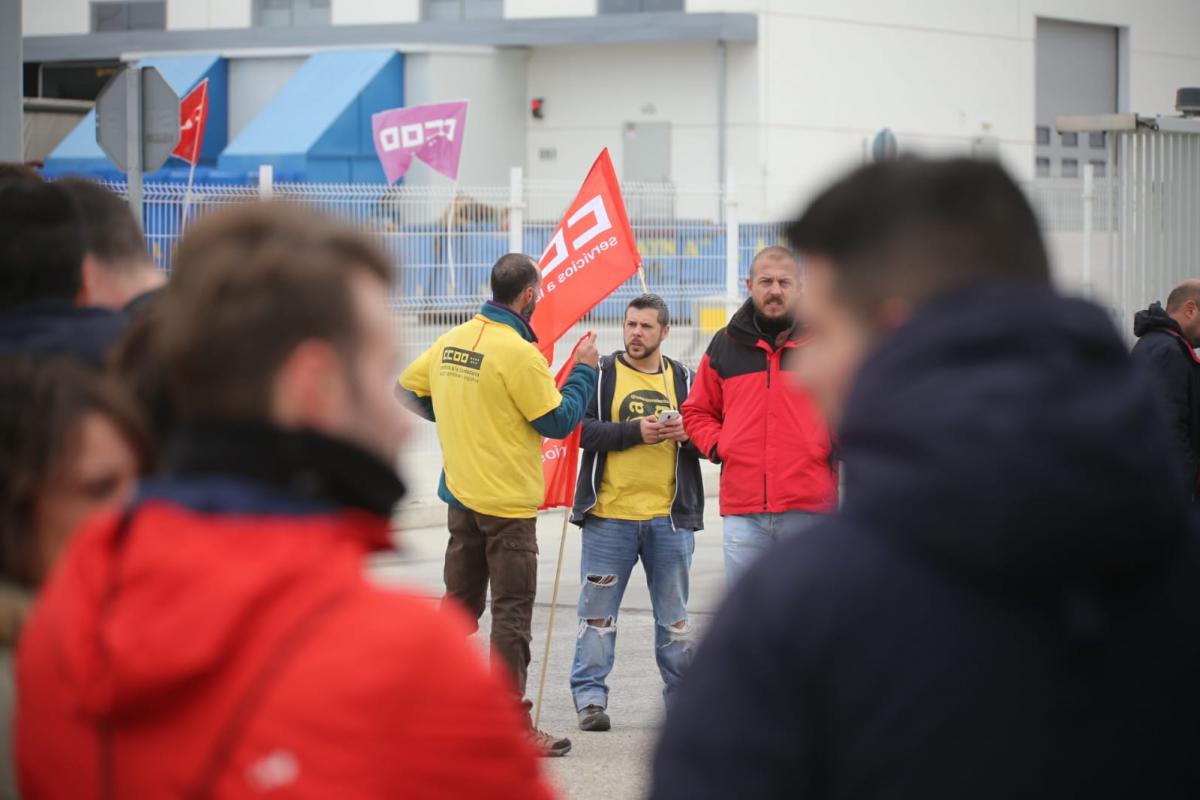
(491, 394)
(640, 495)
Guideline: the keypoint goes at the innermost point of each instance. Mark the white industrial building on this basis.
(781, 93)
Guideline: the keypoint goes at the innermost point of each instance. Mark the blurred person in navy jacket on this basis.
(43, 300)
(1007, 603)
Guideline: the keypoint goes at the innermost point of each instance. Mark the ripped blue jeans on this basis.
(610, 549)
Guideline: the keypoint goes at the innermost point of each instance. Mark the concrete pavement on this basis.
(612, 765)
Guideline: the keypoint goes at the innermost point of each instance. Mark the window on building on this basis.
(461, 10)
(638, 6)
(1097, 139)
(1042, 134)
(1097, 168)
(1043, 167)
(1078, 69)
(135, 16)
(291, 13)
(1070, 168)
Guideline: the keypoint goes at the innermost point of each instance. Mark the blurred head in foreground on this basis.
(277, 314)
(70, 445)
(117, 267)
(893, 235)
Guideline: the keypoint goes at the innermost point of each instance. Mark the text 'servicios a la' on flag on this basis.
(432, 133)
(193, 116)
(591, 253)
(560, 457)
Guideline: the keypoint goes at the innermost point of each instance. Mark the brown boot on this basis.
(550, 746)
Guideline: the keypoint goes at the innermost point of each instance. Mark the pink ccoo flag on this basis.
(432, 133)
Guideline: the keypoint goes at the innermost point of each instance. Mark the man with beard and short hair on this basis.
(1006, 603)
(1166, 349)
(640, 495)
(491, 394)
(743, 413)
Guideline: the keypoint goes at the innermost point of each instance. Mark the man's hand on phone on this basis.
(651, 430)
(673, 430)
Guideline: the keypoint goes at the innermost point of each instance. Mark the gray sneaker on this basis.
(593, 718)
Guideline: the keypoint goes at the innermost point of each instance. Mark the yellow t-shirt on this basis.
(487, 384)
(639, 483)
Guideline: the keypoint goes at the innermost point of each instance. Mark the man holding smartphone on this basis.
(640, 495)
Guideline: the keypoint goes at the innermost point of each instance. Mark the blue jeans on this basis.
(747, 536)
(610, 549)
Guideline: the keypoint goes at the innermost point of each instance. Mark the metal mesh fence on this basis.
(443, 242)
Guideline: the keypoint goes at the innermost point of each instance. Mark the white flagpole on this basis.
(187, 195)
(562, 545)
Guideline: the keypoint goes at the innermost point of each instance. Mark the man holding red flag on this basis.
(640, 495)
(491, 394)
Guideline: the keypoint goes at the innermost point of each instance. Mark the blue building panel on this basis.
(317, 128)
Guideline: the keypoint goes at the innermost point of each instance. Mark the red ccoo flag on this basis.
(193, 115)
(560, 457)
(590, 254)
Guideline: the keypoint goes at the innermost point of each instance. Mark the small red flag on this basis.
(590, 254)
(560, 457)
(193, 114)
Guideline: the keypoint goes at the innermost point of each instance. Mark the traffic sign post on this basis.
(137, 125)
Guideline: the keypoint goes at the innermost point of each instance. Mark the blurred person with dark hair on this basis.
(1006, 604)
(774, 449)
(220, 637)
(640, 496)
(71, 445)
(42, 295)
(491, 394)
(14, 171)
(118, 272)
(135, 364)
(1166, 349)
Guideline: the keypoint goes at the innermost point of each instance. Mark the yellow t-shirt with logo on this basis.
(639, 483)
(487, 384)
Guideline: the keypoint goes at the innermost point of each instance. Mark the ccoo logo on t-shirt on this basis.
(643, 403)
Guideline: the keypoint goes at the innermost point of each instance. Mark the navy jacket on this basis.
(56, 328)
(600, 436)
(1165, 355)
(1006, 606)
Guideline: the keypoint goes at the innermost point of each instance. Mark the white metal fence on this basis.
(443, 244)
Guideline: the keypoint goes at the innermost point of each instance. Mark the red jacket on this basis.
(224, 642)
(745, 413)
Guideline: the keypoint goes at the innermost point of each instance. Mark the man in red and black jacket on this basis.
(748, 416)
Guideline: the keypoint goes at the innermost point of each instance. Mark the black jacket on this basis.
(1006, 606)
(601, 436)
(1165, 354)
(56, 328)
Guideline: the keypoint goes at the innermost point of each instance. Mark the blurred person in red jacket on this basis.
(71, 444)
(745, 414)
(218, 638)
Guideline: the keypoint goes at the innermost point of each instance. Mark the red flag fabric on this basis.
(560, 457)
(590, 254)
(193, 115)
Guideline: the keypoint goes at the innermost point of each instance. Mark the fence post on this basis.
(266, 181)
(516, 211)
(1089, 199)
(732, 266)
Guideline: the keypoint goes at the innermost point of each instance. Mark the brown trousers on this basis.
(501, 551)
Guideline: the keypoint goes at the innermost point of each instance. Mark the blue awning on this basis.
(318, 126)
(79, 153)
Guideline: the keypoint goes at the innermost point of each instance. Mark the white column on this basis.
(266, 181)
(732, 278)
